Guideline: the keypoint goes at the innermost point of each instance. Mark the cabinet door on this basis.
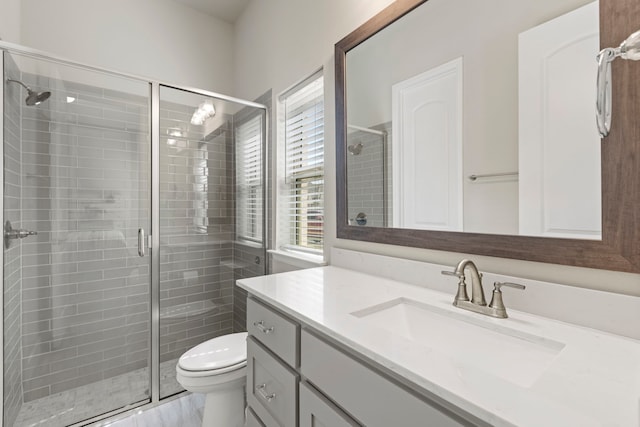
(252, 419)
(272, 387)
(371, 398)
(317, 411)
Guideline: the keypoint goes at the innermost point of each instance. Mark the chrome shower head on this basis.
(33, 98)
(355, 149)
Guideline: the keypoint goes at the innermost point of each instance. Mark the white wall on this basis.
(10, 20)
(278, 42)
(272, 53)
(160, 39)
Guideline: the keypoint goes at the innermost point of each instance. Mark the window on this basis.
(249, 180)
(302, 187)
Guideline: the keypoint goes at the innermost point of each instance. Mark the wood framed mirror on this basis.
(618, 245)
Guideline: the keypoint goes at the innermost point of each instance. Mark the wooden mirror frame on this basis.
(620, 156)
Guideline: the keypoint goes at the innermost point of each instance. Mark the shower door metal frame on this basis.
(155, 242)
(2, 222)
(154, 237)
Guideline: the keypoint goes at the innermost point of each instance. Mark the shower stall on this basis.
(130, 207)
(369, 185)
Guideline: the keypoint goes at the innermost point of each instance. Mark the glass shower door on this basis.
(76, 294)
(211, 219)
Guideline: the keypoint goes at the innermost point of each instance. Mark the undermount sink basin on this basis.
(513, 355)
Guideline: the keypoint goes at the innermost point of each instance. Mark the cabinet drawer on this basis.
(272, 387)
(277, 333)
(371, 398)
(316, 410)
(252, 419)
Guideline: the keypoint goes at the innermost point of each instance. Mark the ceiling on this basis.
(227, 10)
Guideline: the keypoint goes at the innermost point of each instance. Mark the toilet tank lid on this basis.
(217, 353)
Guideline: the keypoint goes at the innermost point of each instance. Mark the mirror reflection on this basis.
(462, 120)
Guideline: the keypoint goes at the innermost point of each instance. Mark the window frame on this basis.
(290, 237)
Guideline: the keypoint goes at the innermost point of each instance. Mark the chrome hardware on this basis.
(476, 177)
(477, 293)
(629, 49)
(361, 218)
(262, 391)
(11, 234)
(603, 91)
(498, 285)
(452, 273)
(478, 304)
(141, 242)
(263, 329)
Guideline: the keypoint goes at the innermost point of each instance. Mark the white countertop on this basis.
(593, 380)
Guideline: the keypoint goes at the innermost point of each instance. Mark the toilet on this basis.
(217, 368)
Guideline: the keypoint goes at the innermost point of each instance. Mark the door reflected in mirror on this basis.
(462, 120)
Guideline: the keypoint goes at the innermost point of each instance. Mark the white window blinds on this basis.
(249, 180)
(304, 165)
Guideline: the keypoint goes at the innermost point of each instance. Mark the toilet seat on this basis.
(210, 372)
(216, 356)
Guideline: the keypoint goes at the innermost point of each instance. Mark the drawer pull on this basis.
(263, 329)
(262, 391)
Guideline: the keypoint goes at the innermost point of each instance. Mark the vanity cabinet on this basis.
(316, 410)
(295, 377)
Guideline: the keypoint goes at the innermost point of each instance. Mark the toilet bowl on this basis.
(217, 368)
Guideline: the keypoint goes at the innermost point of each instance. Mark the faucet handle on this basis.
(498, 285)
(461, 295)
(496, 299)
(453, 273)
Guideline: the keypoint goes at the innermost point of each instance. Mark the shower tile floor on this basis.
(73, 406)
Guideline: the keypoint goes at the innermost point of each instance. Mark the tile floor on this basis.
(73, 406)
(183, 412)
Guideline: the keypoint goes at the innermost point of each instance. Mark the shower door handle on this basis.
(141, 242)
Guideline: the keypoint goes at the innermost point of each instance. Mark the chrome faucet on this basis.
(477, 293)
(478, 304)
